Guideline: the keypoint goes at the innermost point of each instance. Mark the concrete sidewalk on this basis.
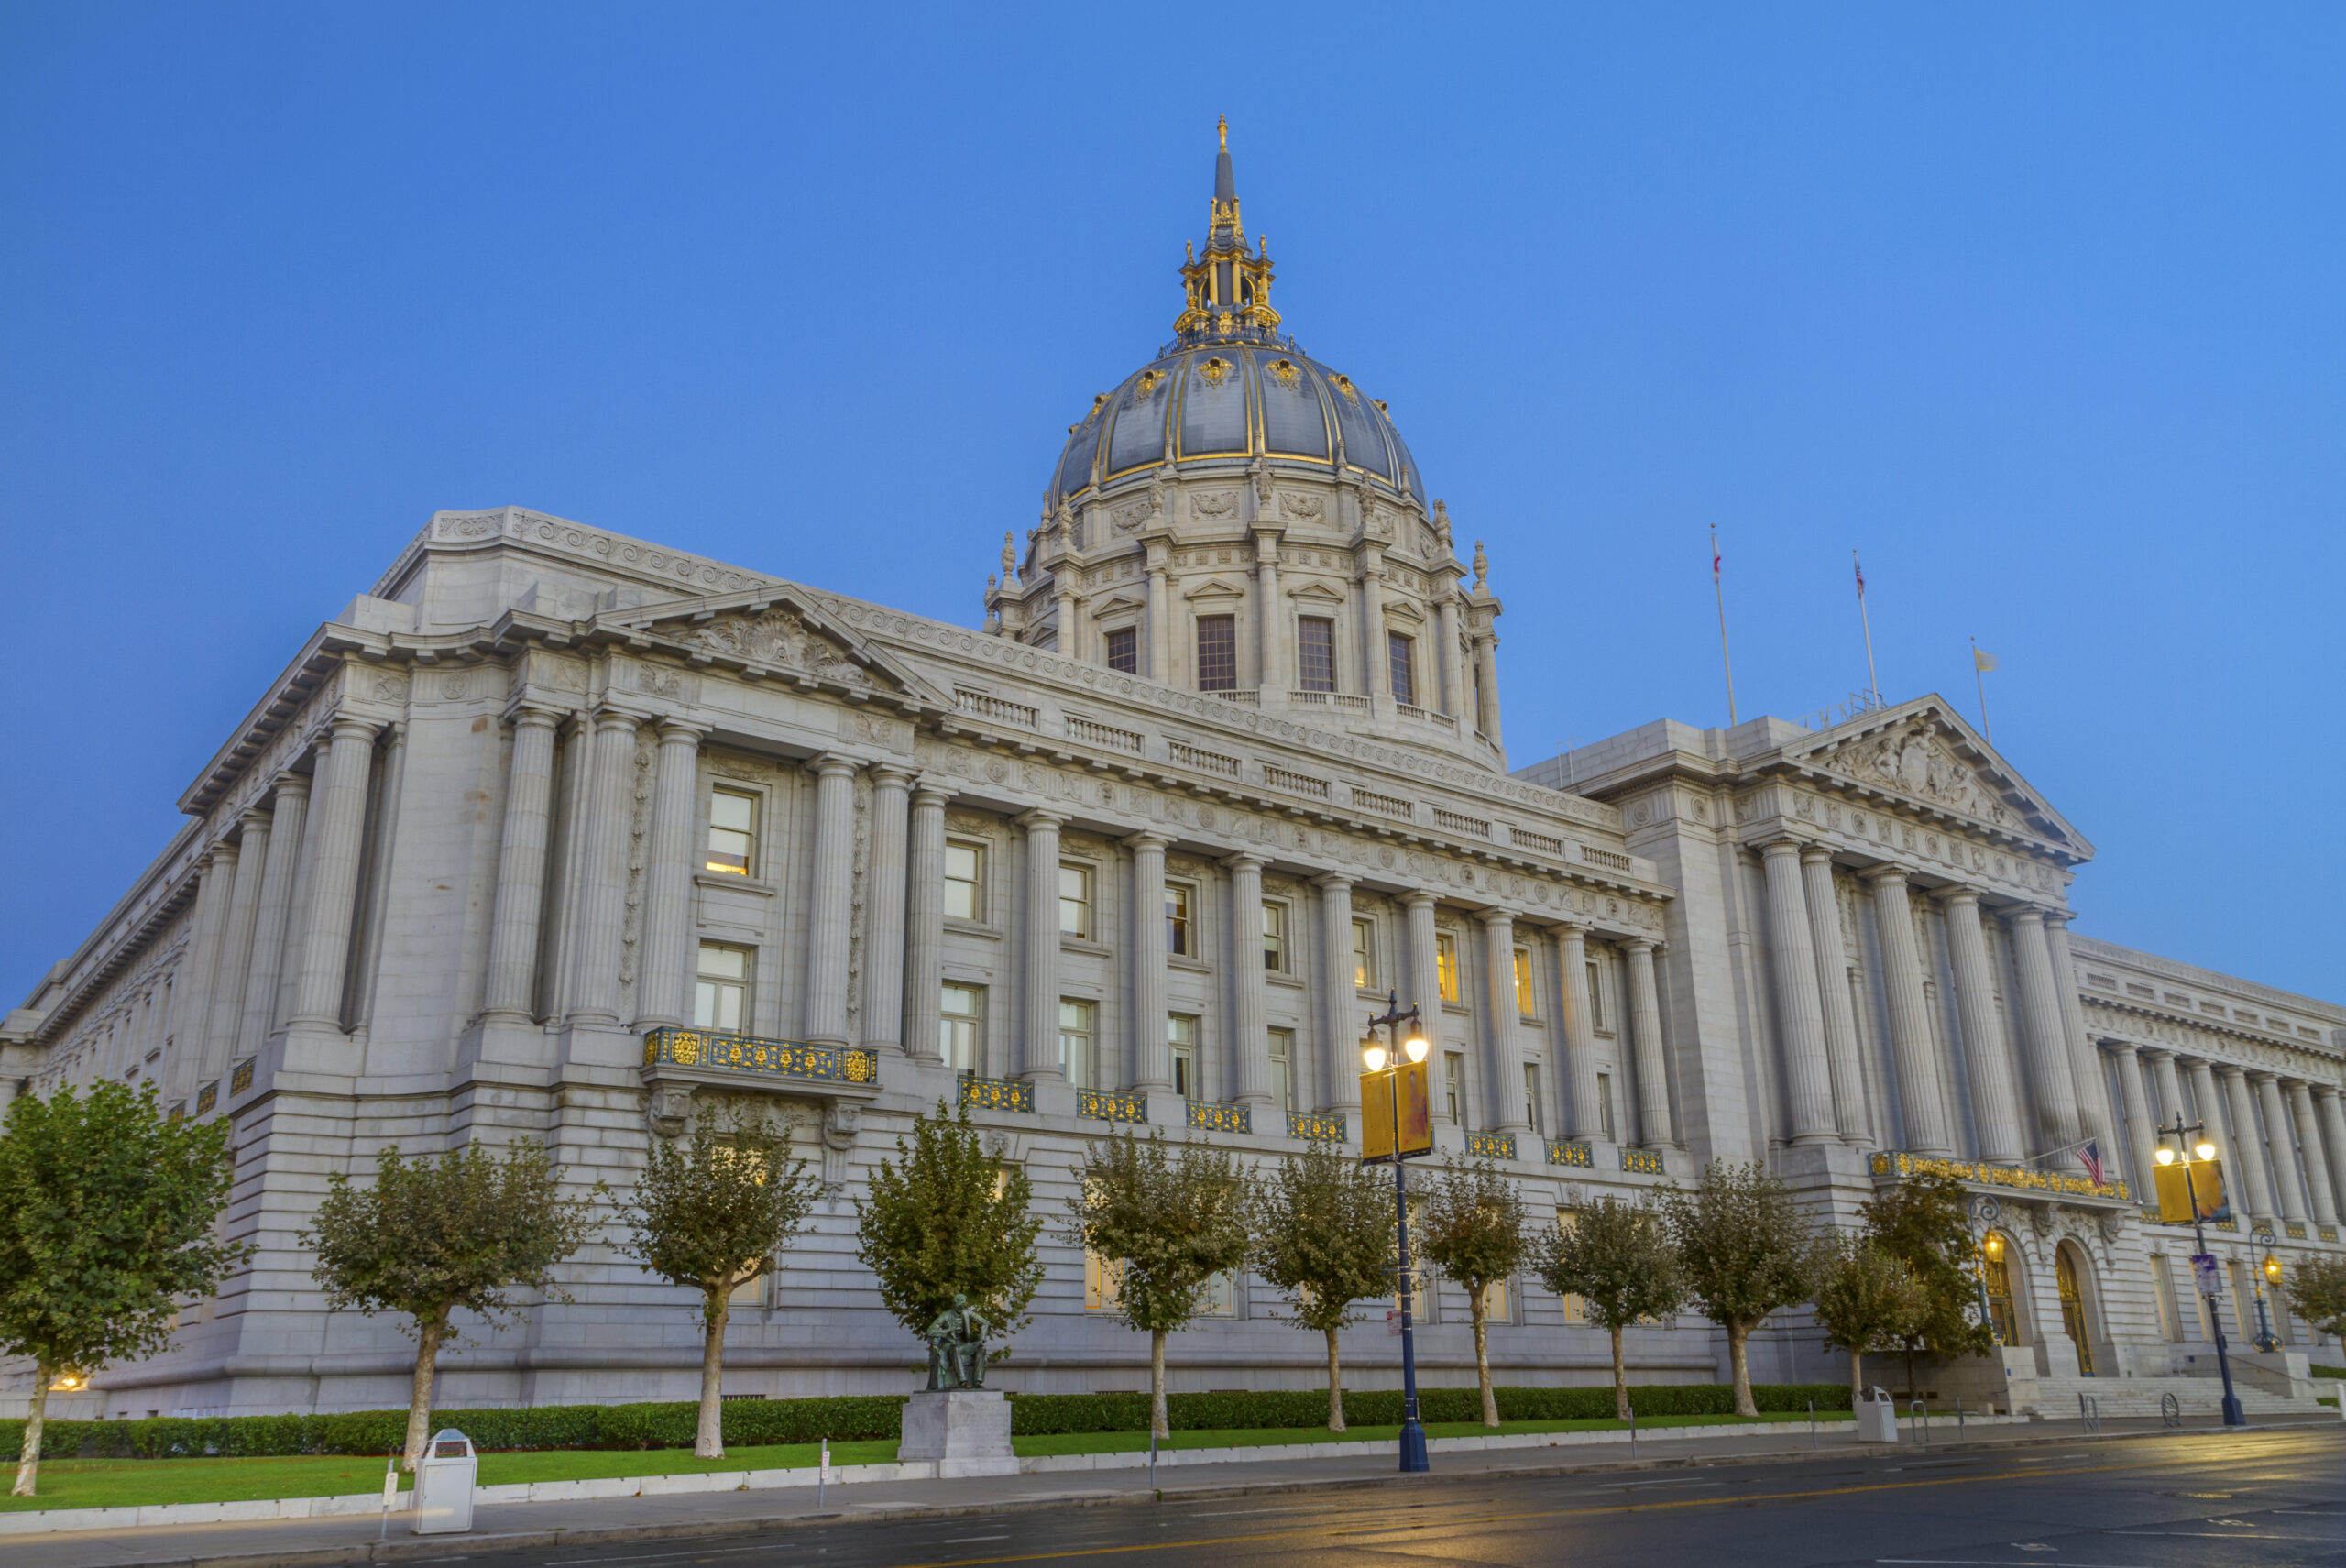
(317, 1542)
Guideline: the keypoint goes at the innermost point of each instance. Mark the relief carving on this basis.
(1301, 506)
(779, 637)
(1915, 761)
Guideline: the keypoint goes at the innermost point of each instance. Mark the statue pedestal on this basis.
(963, 1431)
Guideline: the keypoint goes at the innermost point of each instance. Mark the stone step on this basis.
(2056, 1398)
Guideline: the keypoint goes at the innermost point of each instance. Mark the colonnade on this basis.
(2282, 1140)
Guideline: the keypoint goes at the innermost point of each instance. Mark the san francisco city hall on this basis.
(553, 830)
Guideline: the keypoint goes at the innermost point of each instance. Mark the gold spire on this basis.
(1228, 289)
(1224, 129)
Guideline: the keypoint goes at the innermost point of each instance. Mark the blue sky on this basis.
(2039, 307)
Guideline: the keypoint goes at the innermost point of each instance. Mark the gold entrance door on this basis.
(1997, 1274)
(2073, 1309)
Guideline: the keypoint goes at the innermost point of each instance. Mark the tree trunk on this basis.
(1620, 1379)
(28, 1458)
(709, 1443)
(1857, 1378)
(1335, 1387)
(1735, 1333)
(1483, 1360)
(1910, 1392)
(1157, 1421)
(419, 1401)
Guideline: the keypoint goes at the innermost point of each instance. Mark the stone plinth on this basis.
(963, 1431)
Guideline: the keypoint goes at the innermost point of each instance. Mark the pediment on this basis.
(776, 629)
(1924, 751)
(1213, 587)
(1120, 600)
(1318, 591)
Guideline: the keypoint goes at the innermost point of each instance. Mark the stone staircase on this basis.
(2056, 1398)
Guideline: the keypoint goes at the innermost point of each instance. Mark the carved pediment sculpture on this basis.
(1913, 761)
(779, 637)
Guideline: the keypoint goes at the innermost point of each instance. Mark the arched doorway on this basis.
(2072, 1277)
(1999, 1262)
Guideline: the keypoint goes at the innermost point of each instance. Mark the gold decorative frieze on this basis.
(1490, 1145)
(1643, 1162)
(206, 1098)
(997, 1094)
(240, 1077)
(1106, 1105)
(1326, 1126)
(705, 1050)
(1218, 1118)
(1577, 1155)
(1901, 1164)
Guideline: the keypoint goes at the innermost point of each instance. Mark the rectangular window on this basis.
(721, 990)
(1075, 902)
(1523, 1004)
(1454, 1087)
(1605, 1103)
(1217, 653)
(732, 831)
(1575, 1309)
(1078, 1043)
(1445, 965)
(962, 1012)
(965, 882)
(1494, 1301)
(1123, 649)
(1315, 664)
(1400, 663)
(750, 1292)
(1103, 1282)
(1283, 1069)
(1596, 997)
(1531, 1098)
(1219, 1296)
(1178, 935)
(1275, 939)
(1364, 954)
(1182, 1033)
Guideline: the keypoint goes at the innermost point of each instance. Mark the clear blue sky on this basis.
(2040, 307)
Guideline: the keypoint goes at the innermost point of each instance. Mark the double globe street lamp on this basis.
(2203, 1263)
(1387, 1063)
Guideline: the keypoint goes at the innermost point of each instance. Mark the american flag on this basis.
(1861, 573)
(1715, 552)
(2091, 1154)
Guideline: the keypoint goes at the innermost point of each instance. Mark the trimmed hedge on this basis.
(750, 1422)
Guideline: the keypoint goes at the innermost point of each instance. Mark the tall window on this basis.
(1315, 664)
(1401, 663)
(1364, 954)
(963, 1012)
(721, 988)
(1123, 649)
(1182, 1033)
(1523, 1003)
(2163, 1291)
(1494, 1302)
(1217, 653)
(1283, 1069)
(965, 882)
(1218, 1299)
(1605, 1103)
(1104, 1281)
(1531, 1098)
(1445, 965)
(1180, 931)
(1078, 1043)
(1596, 997)
(1275, 939)
(1075, 902)
(732, 831)
(1454, 1087)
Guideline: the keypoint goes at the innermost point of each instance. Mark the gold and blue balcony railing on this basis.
(755, 1060)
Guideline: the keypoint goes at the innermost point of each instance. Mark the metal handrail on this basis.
(1918, 1420)
(2170, 1410)
(2089, 1411)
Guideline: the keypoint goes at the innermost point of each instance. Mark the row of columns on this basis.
(2300, 1118)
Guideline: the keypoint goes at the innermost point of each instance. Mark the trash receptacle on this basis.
(444, 1484)
(1877, 1418)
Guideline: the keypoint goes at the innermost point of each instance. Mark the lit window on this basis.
(1575, 1309)
(1217, 653)
(1075, 902)
(1445, 965)
(1316, 654)
(1178, 935)
(1531, 1098)
(1400, 661)
(750, 1292)
(962, 1012)
(1219, 1296)
(1364, 954)
(732, 831)
(1523, 1003)
(1494, 1301)
(965, 871)
(1078, 1043)
(1123, 649)
(1275, 939)
(1283, 1069)
(1103, 1282)
(1182, 1033)
(1454, 1087)
(1596, 997)
(721, 991)
(1605, 1103)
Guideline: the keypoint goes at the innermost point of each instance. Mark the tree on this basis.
(2316, 1292)
(711, 1212)
(1170, 1222)
(434, 1236)
(1867, 1300)
(1618, 1258)
(946, 1218)
(106, 1214)
(1324, 1237)
(1471, 1229)
(1746, 1250)
(1921, 1222)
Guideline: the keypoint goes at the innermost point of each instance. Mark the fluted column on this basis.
(602, 902)
(2277, 1125)
(339, 807)
(1251, 1042)
(1842, 1052)
(1800, 1011)
(1920, 1104)
(1587, 1113)
(1372, 632)
(234, 966)
(192, 995)
(1340, 1015)
(664, 963)
(1042, 1037)
(2097, 1118)
(521, 868)
(2169, 1086)
(924, 925)
(883, 911)
(1421, 955)
(1505, 1062)
(2052, 1078)
(1071, 612)
(831, 901)
(1150, 1061)
(1160, 617)
(2212, 1113)
(1995, 1102)
(2143, 1142)
(1454, 663)
(1270, 616)
(1656, 1127)
(2245, 1157)
(2333, 1110)
(287, 821)
(297, 918)
(2319, 1196)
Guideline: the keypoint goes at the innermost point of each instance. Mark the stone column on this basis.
(1842, 1052)
(830, 902)
(2292, 1194)
(883, 911)
(924, 925)
(2097, 1118)
(2244, 1159)
(1504, 1063)
(2169, 1086)
(297, 920)
(1161, 616)
(192, 996)
(1270, 618)
(1800, 1011)
(2212, 1111)
(2051, 1077)
(602, 902)
(1251, 1042)
(1371, 630)
(1340, 1017)
(2143, 1144)
(1071, 612)
(664, 961)
(521, 868)
(1041, 1058)
(2333, 1137)
(292, 813)
(1422, 972)
(1920, 1104)
(1454, 667)
(2319, 1194)
(1994, 1099)
(341, 816)
(1587, 1114)
(1656, 1129)
(236, 946)
(1487, 665)
(1150, 1060)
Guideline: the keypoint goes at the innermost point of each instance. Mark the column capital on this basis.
(253, 815)
(891, 773)
(616, 719)
(2225, 1070)
(1782, 844)
(831, 764)
(1639, 944)
(1244, 860)
(929, 790)
(1810, 853)
(2028, 914)
(2055, 917)
(354, 727)
(1579, 928)
(527, 711)
(2260, 1078)
(291, 786)
(1496, 916)
(1041, 817)
(675, 731)
(1419, 898)
(1147, 838)
(1961, 893)
(1334, 881)
(1889, 872)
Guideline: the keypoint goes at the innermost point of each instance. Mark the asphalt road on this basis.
(2201, 1500)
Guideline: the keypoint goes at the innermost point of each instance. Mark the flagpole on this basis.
(1720, 593)
(1873, 681)
(1980, 679)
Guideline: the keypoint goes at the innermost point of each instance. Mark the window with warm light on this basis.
(1181, 932)
(732, 832)
(965, 882)
(1523, 1001)
(962, 1013)
(1219, 1298)
(1075, 902)
(721, 988)
(1364, 954)
(1445, 965)
(1104, 1282)
(1494, 1301)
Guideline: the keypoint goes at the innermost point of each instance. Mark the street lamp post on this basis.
(2267, 1267)
(1986, 1212)
(1376, 1057)
(2193, 1153)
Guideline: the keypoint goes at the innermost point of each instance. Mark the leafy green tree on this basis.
(712, 1211)
(946, 1218)
(436, 1235)
(1923, 1224)
(1471, 1228)
(106, 1214)
(1618, 1258)
(1868, 1301)
(1324, 1237)
(1746, 1249)
(1169, 1218)
(2316, 1292)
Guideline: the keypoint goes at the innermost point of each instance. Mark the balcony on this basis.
(997, 1094)
(1107, 1105)
(1979, 1174)
(745, 1061)
(1213, 1117)
(1490, 1145)
(1643, 1162)
(1576, 1155)
(1323, 1126)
